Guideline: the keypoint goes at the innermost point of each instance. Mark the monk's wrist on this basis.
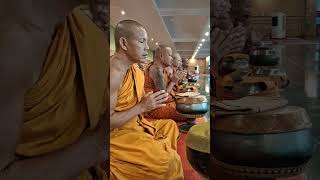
(140, 108)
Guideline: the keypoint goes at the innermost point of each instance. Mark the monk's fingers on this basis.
(158, 93)
(161, 96)
(233, 43)
(238, 29)
(236, 49)
(160, 105)
(183, 74)
(148, 94)
(225, 45)
(238, 44)
(239, 38)
(162, 100)
(180, 74)
(219, 39)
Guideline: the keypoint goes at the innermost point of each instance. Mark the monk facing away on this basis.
(157, 78)
(53, 80)
(139, 149)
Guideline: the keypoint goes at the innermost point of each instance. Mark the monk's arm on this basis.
(170, 86)
(157, 76)
(117, 119)
(16, 72)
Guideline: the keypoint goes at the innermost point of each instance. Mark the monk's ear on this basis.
(123, 43)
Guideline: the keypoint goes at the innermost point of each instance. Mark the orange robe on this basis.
(167, 112)
(142, 149)
(67, 100)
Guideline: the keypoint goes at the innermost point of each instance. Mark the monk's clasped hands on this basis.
(155, 100)
(178, 75)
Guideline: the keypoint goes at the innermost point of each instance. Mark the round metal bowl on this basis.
(192, 80)
(230, 65)
(276, 143)
(199, 108)
(226, 66)
(278, 150)
(199, 161)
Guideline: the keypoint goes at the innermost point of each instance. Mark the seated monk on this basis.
(185, 64)
(223, 43)
(55, 79)
(156, 79)
(139, 149)
(176, 66)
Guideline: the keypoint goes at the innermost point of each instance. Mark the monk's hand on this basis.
(155, 100)
(218, 37)
(237, 38)
(225, 43)
(177, 76)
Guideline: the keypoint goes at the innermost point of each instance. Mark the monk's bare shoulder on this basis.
(116, 78)
(116, 74)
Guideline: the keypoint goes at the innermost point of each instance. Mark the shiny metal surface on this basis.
(200, 108)
(265, 151)
(301, 61)
(265, 56)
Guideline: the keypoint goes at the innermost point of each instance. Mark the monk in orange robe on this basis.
(139, 149)
(170, 70)
(175, 66)
(54, 81)
(157, 78)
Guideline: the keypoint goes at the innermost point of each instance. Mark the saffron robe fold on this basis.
(142, 149)
(167, 112)
(67, 100)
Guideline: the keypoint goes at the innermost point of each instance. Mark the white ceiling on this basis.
(178, 23)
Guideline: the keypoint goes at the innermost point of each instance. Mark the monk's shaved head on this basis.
(177, 61)
(161, 49)
(163, 54)
(126, 29)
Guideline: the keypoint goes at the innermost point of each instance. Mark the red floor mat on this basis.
(189, 172)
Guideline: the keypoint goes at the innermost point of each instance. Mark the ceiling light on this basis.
(151, 39)
(207, 33)
(123, 13)
(202, 40)
(200, 44)
(157, 43)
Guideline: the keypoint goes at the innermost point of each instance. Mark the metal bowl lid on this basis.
(286, 119)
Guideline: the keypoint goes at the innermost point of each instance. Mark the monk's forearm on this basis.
(117, 119)
(65, 164)
(170, 87)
